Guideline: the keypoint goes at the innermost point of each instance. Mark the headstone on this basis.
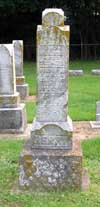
(51, 158)
(96, 72)
(22, 87)
(12, 113)
(96, 124)
(76, 72)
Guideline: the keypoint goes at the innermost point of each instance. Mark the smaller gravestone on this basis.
(22, 87)
(96, 124)
(98, 111)
(76, 72)
(96, 72)
(12, 113)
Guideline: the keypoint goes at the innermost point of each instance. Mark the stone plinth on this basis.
(51, 158)
(45, 169)
(21, 86)
(12, 113)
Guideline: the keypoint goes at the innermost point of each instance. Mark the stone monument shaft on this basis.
(52, 158)
(52, 67)
(52, 127)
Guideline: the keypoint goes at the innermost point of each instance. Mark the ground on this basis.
(83, 130)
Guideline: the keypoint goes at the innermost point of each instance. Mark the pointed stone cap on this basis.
(53, 17)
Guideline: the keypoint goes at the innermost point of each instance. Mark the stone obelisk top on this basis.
(53, 17)
(52, 66)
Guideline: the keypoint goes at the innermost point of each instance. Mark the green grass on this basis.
(30, 76)
(31, 109)
(83, 94)
(84, 91)
(9, 158)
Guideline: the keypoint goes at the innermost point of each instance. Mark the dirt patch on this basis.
(83, 130)
(31, 99)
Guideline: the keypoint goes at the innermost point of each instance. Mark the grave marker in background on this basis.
(22, 87)
(12, 113)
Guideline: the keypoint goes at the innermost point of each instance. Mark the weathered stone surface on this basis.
(51, 158)
(96, 72)
(52, 57)
(12, 113)
(18, 54)
(76, 72)
(52, 71)
(7, 70)
(46, 169)
(22, 88)
(52, 135)
(13, 120)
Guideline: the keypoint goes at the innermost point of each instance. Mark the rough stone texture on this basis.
(96, 72)
(13, 120)
(12, 113)
(52, 158)
(22, 88)
(76, 72)
(46, 169)
(7, 71)
(52, 135)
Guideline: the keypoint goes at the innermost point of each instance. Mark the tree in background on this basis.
(19, 18)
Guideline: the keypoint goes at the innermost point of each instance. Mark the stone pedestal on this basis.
(21, 86)
(12, 113)
(51, 158)
(47, 169)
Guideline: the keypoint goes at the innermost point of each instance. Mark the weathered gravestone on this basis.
(95, 72)
(51, 158)
(96, 124)
(12, 113)
(76, 72)
(22, 87)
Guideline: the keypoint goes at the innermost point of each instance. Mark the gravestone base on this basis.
(52, 135)
(9, 99)
(51, 169)
(13, 119)
(23, 90)
(22, 87)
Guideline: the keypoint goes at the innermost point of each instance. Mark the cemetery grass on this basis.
(9, 163)
(84, 91)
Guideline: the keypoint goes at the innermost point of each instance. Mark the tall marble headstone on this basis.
(22, 87)
(51, 158)
(12, 113)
